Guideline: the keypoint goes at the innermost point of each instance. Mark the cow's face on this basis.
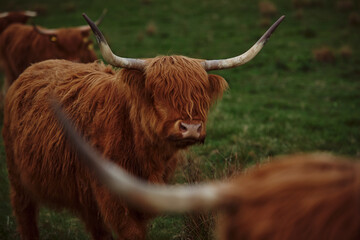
(73, 44)
(177, 90)
(179, 93)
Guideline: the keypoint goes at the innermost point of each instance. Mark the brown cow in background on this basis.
(8, 18)
(304, 196)
(22, 45)
(140, 117)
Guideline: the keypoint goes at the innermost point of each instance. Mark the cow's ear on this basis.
(136, 81)
(217, 86)
(134, 78)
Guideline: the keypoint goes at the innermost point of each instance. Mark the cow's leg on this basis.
(95, 224)
(134, 229)
(122, 221)
(4, 89)
(25, 211)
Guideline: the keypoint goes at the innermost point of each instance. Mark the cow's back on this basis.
(36, 150)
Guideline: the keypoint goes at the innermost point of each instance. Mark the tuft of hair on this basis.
(151, 28)
(197, 225)
(299, 13)
(146, 2)
(41, 9)
(69, 6)
(344, 5)
(140, 36)
(267, 8)
(324, 54)
(265, 22)
(346, 52)
(354, 19)
(307, 3)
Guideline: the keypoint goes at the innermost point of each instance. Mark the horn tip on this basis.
(99, 37)
(270, 31)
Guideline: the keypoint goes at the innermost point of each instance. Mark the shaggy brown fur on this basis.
(130, 116)
(297, 197)
(21, 45)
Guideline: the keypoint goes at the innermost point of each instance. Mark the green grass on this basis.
(283, 101)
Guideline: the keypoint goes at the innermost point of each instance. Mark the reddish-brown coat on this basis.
(12, 17)
(296, 197)
(127, 115)
(21, 45)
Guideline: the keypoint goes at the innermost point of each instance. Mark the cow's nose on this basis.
(190, 130)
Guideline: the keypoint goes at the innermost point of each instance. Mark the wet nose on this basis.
(190, 130)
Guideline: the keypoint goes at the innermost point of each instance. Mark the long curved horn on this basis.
(108, 55)
(245, 57)
(150, 197)
(84, 28)
(45, 31)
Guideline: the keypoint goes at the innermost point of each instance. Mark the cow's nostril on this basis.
(193, 130)
(182, 127)
(199, 129)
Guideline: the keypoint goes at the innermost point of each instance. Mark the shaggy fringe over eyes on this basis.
(180, 81)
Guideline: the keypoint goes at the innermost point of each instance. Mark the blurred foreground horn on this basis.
(108, 55)
(245, 57)
(149, 197)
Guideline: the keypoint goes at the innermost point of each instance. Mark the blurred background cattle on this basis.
(8, 18)
(22, 45)
(286, 100)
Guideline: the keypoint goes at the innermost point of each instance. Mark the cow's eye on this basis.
(91, 46)
(53, 38)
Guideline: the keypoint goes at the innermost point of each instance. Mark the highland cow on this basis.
(22, 45)
(304, 196)
(140, 116)
(8, 18)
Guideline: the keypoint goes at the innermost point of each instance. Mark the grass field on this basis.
(300, 94)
